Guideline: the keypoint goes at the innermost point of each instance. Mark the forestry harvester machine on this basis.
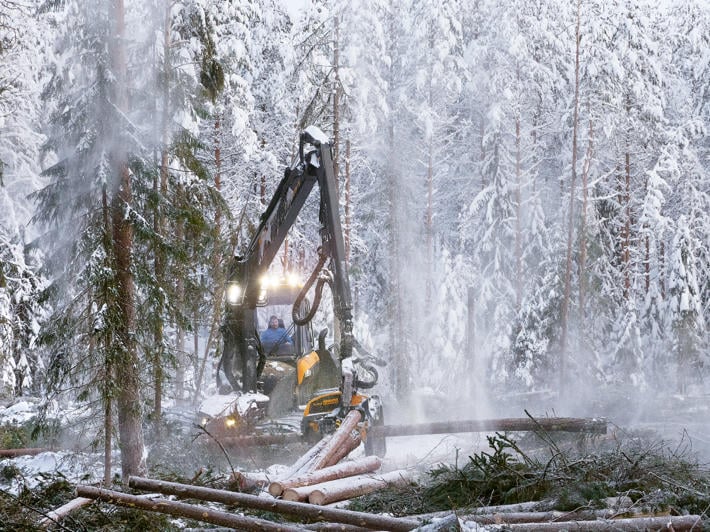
(298, 374)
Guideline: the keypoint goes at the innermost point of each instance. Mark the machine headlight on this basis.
(294, 280)
(308, 373)
(262, 297)
(234, 293)
(230, 422)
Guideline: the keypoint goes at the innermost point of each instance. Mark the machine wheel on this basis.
(376, 445)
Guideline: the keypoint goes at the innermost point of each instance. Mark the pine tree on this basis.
(687, 326)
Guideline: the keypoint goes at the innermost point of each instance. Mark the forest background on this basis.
(524, 188)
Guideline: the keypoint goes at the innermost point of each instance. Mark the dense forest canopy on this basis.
(525, 189)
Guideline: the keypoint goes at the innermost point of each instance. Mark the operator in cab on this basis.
(274, 339)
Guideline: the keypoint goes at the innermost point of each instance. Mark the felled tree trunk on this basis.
(342, 438)
(342, 470)
(179, 509)
(260, 439)
(29, 451)
(562, 424)
(301, 465)
(667, 523)
(346, 488)
(249, 481)
(295, 509)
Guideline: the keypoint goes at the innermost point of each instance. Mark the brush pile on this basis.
(541, 482)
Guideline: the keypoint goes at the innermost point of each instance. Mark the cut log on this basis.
(179, 509)
(297, 494)
(449, 523)
(553, 515)
(560, 424)
(250, 481)
(471, 513)
(260, 439)
(347, 488)
(295, 509)
(351, 443)
(342, 436)
(341, 470)
(301, 465)
(669, 523)
(60, 513)
(29, 451)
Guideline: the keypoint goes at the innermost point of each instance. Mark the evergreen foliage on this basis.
(458, 118)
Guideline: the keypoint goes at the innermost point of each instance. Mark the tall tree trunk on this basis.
(518, 228)
(161, 188)
(583, 227)
(108, 384)
(127, 364)
(182, 305)
(336, 99)
(482, 150)
(429, 222)
(662, 268)
(647, 262)
(348, 205)
(626, 235)
(570, 222)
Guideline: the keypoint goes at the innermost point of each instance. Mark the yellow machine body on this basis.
(306, 366)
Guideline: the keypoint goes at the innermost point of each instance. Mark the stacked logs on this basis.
(320, 478)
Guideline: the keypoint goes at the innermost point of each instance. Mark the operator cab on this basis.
(287, 340)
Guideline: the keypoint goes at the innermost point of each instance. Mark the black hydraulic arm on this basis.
(240, 328)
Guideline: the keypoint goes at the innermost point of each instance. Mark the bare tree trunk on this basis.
(482, 151)
(25, 451)
(570, 223)
(336, 98)
(161, 188)
(348, 488)
(108, 365)
(429, 221)
(348, 218)
(583, 228)
(127, 364)
(180, 288)
(108, 439)
(626, 235)
(350, 468)
(299, 510)
(662, 273)
(518, 214)
(181, 509)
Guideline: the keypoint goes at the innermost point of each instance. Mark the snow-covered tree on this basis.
(687, 327)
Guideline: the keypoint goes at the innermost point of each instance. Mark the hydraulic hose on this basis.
(306, 287)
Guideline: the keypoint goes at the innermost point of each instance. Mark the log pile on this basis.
(320, 477)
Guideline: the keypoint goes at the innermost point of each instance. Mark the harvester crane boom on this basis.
(244, 290)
